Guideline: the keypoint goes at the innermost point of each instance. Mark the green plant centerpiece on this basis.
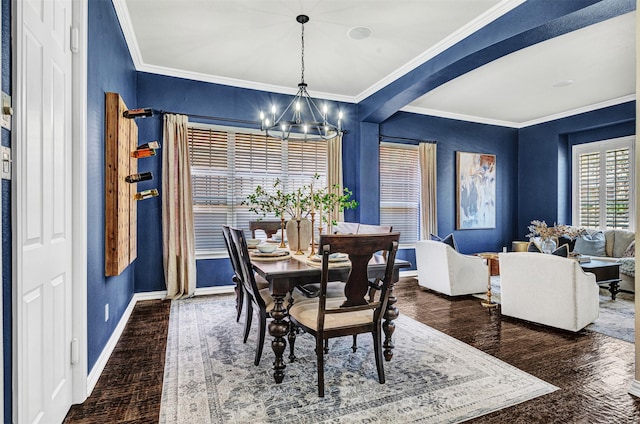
(306, 201)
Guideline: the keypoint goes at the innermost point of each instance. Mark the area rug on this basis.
(616, 318)
(433, 378)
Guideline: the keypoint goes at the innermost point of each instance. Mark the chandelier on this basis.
(302, 118)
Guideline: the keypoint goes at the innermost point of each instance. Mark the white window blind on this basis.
(400, 190)
(226, 166)
(603, 184)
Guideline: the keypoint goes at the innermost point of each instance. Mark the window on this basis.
(400, 190)
(228, 163)
(603, 184)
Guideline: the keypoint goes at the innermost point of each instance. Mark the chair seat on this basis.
(261, 282)
(268, 300)
(306, 313)
(334, 289)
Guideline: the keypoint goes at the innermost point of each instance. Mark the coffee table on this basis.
(606, 273)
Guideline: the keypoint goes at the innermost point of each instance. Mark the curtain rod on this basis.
(382, 137)
(213, 118)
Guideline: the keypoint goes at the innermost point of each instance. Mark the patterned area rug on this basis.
(210, 377)
(616, 318)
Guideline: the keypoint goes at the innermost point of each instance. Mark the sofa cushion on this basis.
(447, 240)
(621, 240)
(628, 266)
(570, 242)
(591, 243)
(631, 251)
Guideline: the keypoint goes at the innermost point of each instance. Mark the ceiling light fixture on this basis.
(302, 118)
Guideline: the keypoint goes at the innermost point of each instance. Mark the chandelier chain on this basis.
(302, 55)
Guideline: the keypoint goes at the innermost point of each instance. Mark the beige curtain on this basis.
(428, 190)
(178, 240)
(334, 174)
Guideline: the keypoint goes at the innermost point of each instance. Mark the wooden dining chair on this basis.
(269, 227)
(374, 284)
(326, 318)
(255, 298)
(237, 272)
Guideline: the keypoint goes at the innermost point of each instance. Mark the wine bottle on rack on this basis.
(145, 194)
(136, 178)
(150, 145)
(143, 153)
(142, 112)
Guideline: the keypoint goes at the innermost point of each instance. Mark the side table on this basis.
(606, 273)
(491, 258)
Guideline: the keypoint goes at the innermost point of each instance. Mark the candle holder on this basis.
(313, 246)
(299, 251)
(282, 245)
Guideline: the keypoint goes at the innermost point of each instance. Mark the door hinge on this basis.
(75, 353)
(75, 48)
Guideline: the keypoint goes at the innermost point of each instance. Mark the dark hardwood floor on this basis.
(593, 371)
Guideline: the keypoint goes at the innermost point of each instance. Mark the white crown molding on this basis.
(541, 120)
(588, 108)
(197, 76)
(457, 36)
(458, 116)
(122, 12)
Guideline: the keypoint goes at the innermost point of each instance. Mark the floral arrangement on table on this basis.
(303, 202)
(542, 230)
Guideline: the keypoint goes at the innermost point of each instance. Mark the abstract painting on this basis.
(476, 191)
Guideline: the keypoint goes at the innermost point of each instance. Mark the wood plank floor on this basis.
(593, 371)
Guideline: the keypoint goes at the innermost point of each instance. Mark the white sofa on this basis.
(616, 242)
(547, 289)
(444, 270)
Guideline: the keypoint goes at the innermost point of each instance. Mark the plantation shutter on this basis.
(400, 189)
(226, 166)
(604, 182)
(618, 187)
(589, 190)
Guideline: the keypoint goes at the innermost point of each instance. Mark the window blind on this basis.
(400, 189)
(604, 184)
(226, 166)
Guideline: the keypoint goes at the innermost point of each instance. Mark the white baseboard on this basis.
(635, 388)
(96, 371)
(410, 273)
(98, 367)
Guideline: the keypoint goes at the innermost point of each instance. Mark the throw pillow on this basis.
(591, 244)
(560, 251)
(571, 242)
(630, 252)
(447, 240)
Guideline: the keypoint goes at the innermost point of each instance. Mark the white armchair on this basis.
(444, 270)
(547, 289)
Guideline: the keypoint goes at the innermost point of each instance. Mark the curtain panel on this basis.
(178, 240)
(428, 190)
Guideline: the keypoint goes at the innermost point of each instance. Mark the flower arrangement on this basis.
(299, 203)
(542, 230)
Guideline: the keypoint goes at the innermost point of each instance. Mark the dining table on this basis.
(285, 274)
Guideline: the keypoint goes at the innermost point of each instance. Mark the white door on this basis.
(42, 211)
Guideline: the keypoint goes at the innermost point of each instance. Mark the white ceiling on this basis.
(256, 44)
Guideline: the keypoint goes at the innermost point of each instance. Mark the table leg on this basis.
(388, 326)
(278, 328)
(614, 288)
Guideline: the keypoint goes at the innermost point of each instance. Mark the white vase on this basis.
(305, 234)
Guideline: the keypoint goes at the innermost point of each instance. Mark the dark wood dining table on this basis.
(284, 275)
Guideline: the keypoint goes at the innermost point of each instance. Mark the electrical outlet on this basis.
(106, 312)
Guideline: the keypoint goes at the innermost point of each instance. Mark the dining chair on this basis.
(374, 229)
(269, 227)
(326, 318)
(237, 276)
(346, 228)
(255, 297)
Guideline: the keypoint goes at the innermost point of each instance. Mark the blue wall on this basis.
(544, 160)
(110, 69)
